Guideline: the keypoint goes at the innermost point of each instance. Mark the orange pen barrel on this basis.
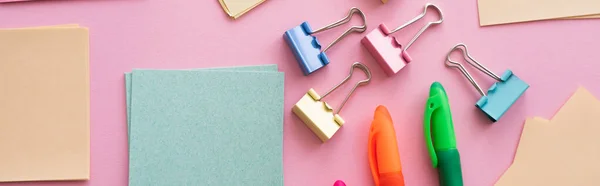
(384, 158)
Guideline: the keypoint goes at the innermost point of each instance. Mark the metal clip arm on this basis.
(342, 21)
(359, 65)
(463, 48)
(420, 16)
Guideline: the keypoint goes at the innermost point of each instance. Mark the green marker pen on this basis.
(437, 124)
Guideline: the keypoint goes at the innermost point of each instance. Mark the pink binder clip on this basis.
(387, 51)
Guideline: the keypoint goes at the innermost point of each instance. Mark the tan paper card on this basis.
(237, 8)
(44, 96)
(583, 17)
(563, 151)
(493, 12)
(45, 27)
(530, 146)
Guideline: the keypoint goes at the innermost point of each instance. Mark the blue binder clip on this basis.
(501, 95)
(306, 47)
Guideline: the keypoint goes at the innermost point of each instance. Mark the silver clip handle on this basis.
(420, 16)
(358, 65)
(469, 59)
(342, 21)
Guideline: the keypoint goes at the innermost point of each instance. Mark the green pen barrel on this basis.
(449, 167)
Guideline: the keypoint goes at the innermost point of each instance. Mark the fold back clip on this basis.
(318, 115)
(387, 51)
(501, 95)
(306, 47)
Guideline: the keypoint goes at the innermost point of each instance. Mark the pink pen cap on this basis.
(339, 183)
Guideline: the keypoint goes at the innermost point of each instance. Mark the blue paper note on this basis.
(259, 68)
(206, 128)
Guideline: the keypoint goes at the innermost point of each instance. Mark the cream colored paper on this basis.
(237, 8)
(44, 27)
(44, 96)
(493, 12)
(563, 151)
(583, 17)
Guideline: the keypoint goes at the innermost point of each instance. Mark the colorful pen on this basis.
(384, 158)
(442, 148)
(339, 183)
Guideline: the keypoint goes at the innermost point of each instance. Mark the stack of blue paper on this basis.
(220, 126)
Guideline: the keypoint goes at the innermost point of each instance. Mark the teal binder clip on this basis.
(501, 95)
(306, 47)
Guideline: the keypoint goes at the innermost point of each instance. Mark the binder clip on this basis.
(318, 115)
(387, 51)
(501, 95)
(306, 47)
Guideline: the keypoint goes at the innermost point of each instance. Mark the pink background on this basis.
(554, 57)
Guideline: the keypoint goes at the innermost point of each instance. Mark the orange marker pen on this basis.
(384, 158)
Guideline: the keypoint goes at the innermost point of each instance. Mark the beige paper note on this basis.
(237, 8)
(530, 145)
(563, 151)
(44, 96)
(493, 12)
(584, 17)
(44, 27)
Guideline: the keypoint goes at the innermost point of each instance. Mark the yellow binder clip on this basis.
(318, 115)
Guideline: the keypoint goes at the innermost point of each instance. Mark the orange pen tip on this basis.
(384, 158)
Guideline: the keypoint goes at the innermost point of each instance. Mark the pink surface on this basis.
(553, 56)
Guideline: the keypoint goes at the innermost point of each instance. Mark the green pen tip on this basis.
(436, 88)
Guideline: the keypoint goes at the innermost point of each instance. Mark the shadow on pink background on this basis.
(554, 57)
